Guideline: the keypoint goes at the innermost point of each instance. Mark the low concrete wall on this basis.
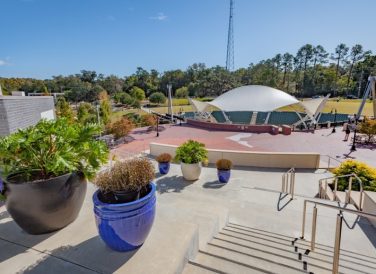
(369, 205)
(235, 127)
(250, 158)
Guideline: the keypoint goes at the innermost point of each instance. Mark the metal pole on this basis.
(353, 148)
(157, 126)
(293, 184)
(337, 244)
(313, 234)
(170, 111)
(304, 216)
(349, 191)
(283, 183)
(335, 121)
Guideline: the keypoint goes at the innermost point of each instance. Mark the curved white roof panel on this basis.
(253, 98)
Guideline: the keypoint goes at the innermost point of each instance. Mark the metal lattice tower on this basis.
(230, 39)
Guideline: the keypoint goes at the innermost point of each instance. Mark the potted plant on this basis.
(191, 154)
(164, 160)
(124, 204)
(45, 170)
(224, 170)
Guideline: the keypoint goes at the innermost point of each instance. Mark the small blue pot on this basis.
(125, 226)
(223, 175)
(164, 167)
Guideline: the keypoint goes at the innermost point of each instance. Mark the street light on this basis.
(335, 121)
(353, 148)
(157, 125)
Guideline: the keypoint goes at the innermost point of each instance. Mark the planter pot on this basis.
(124, 227)
(164, 167)
(45, 206)
(223, 175)
(191, 172)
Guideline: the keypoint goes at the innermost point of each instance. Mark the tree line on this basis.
(311, 71)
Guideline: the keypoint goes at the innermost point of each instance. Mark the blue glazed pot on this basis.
(223, 175)
(124, 227)
(164, 167)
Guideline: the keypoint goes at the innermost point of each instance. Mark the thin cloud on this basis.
(160, 17)
(3, 63)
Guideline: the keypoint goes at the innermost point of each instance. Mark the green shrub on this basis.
(52, 148)
(366, 173)
(181, 92)
(121, 128)
(137, 93)
(368, 127)
(157, 98)
(86, 114)
(191, 152)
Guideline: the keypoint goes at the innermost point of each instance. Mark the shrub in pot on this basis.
(164, 160)
(191, 154)
(45, 168)
(124, 204)
(224, 170)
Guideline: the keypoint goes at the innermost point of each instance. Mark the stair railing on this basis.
(338, 233)
(288, 182)
(323, 187)
(331, 159)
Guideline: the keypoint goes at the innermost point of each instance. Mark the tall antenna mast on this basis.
(230, 39)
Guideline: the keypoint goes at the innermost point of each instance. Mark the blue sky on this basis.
(41, 38)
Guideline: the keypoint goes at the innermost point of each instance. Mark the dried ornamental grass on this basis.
(164, 158)
(128, 175)
(224, 164)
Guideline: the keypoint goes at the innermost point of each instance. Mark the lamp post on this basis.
(353, 148)
(157, 125)
(335, 121)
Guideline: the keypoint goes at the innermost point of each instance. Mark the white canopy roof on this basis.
(198, 105)
(253, 98)
(313, 106)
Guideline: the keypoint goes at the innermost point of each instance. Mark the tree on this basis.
(137, 93)
(87, 76)
(356, 55)
(86, 113)
(287, 60)
(181, 92)
(63, 109)
(319, 57)
(157, 98)
(104, 107)
(339, 56)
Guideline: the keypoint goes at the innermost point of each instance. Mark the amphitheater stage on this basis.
(321, 141)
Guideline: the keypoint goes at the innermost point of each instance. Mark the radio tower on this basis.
(230, 39)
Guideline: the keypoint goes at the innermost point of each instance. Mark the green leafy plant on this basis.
(191, 152)
(164, 158)
(157, 98)
(366, 173)
(127, 175)
(52, 148)
(368, 127)
(224, 164)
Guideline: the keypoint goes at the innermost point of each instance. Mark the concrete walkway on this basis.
(189, 215)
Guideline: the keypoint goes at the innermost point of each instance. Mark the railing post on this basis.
(313, 234)
(335, 186)
(349, 191)
(304, 217)
(293, 184)
(326, 189)
(337, 244)
(320, 189)
(283, 183)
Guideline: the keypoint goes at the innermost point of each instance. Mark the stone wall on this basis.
(17, 112)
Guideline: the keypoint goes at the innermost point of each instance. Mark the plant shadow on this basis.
(172, 184)
(91, 255)
(213, 185)
(15, 241)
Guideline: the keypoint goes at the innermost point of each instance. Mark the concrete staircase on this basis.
(241, 249)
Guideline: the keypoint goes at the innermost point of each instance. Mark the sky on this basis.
(42, 38)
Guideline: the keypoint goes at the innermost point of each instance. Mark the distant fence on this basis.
(250, 158)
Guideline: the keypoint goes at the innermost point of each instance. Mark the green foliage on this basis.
(86, 114)
(182, 92)
(137, 93)
(368, 127)
(191, 152)
(366, 173)
(157, 98)
(63, 110)
(104, 108)
(53, 148)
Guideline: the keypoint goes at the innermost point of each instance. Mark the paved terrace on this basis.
(244, 226)
(322, 141)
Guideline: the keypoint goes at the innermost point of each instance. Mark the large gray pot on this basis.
(45, 206)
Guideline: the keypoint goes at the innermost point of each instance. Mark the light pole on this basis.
(169, 86)
(335, 121)
(157, 125)
(353, 148)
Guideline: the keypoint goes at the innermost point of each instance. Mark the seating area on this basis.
(240, 117)
(283, 118)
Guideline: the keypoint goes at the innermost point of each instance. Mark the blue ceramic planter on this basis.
(164, 167)
(124, 227)
(223, 175)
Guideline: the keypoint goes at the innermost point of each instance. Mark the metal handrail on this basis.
(348, 190)
(331, 158)
(337, 242)
(288, 182)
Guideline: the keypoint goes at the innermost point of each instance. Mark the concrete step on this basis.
(269, 245)
(195, 268)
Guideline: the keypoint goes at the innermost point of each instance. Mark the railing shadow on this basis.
(282, 196)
